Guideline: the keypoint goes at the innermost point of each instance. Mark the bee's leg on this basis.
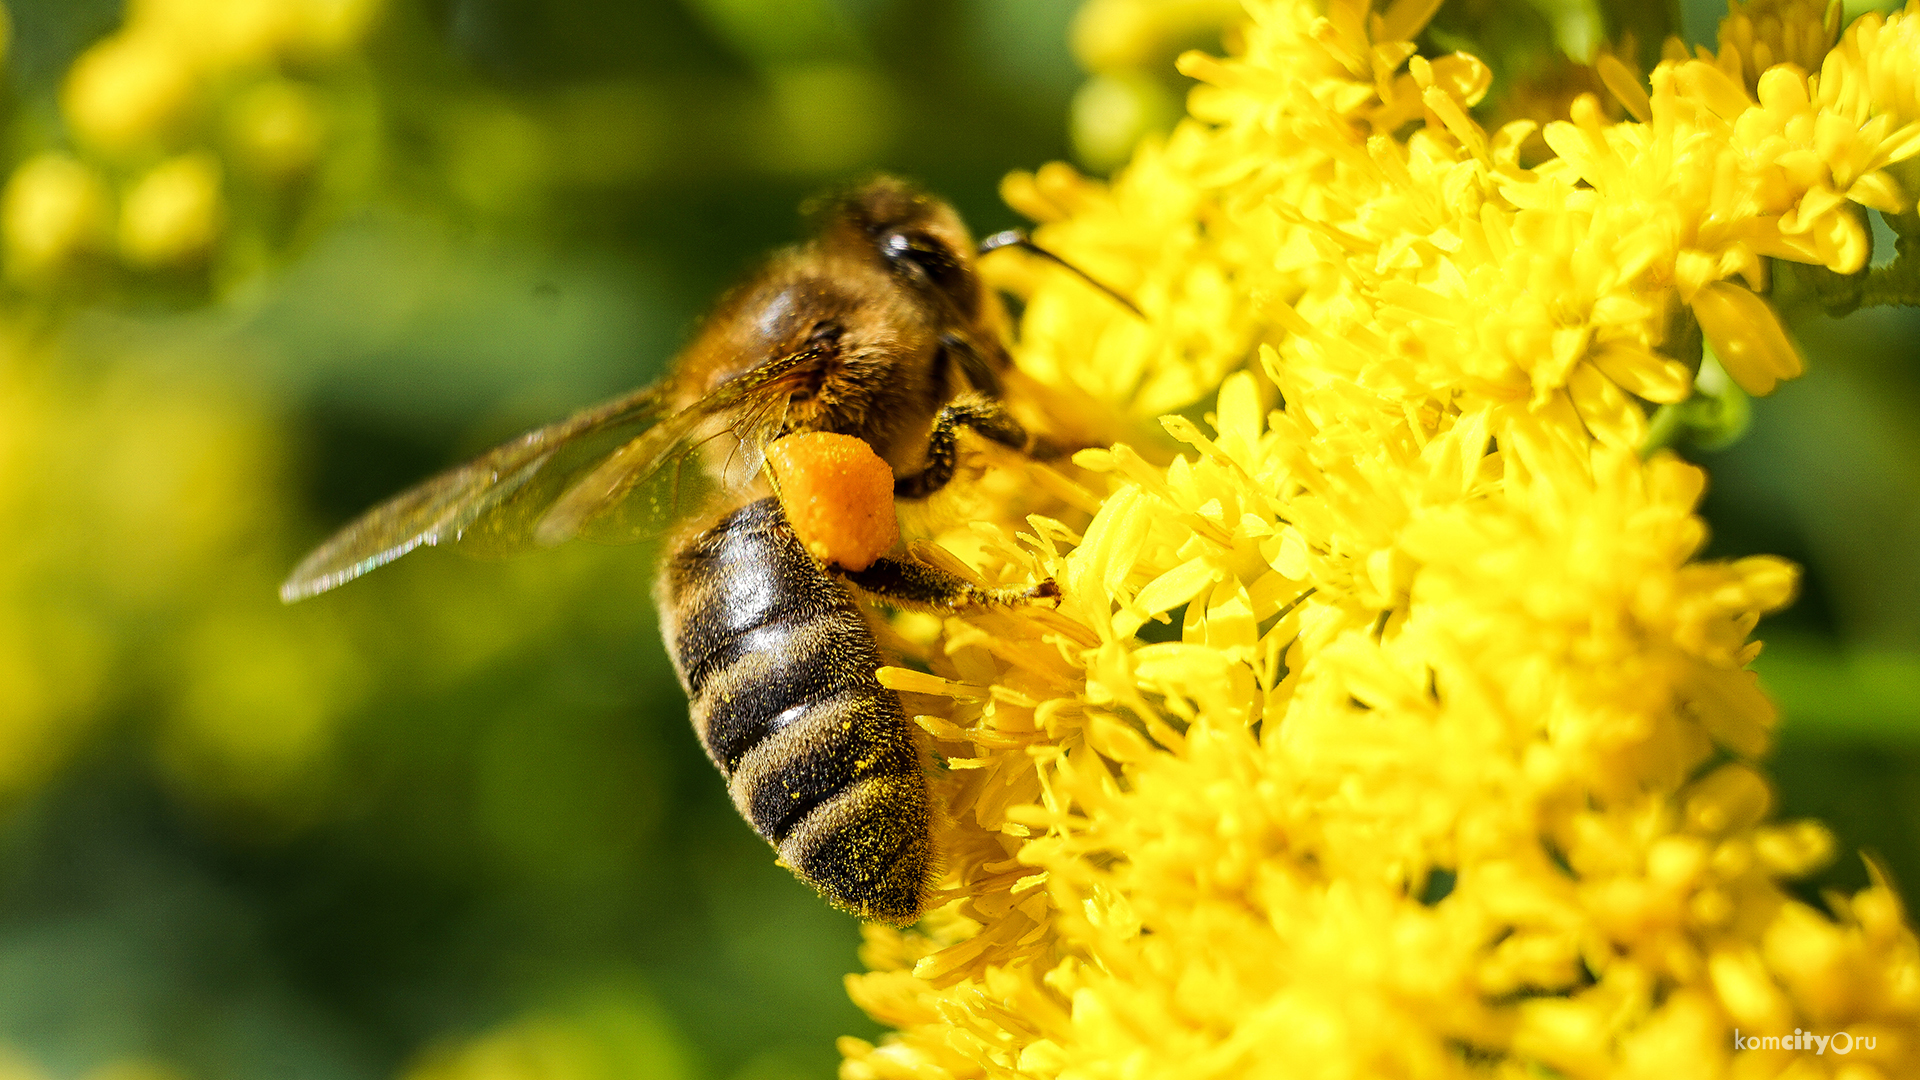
(927, 588)
(984, 417)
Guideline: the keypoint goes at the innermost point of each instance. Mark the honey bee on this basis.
(879, 328)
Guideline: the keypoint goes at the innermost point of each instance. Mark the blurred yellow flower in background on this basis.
(53, 211)
(145, 105)
(172, 214)
(278, 128)
(1444, 764)
(1755, 37)
(129, 93)
(609, 1034)
(128, 491)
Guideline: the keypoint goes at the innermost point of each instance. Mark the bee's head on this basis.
(918, 239)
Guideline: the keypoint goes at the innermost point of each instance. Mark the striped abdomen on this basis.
(778, 665)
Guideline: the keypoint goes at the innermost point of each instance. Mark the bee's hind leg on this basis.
(928, 588)
(982, 415)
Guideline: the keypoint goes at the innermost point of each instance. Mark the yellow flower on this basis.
(128, 92)
(1871, 73)
(172, 215)
(233, 34)
(138, 102)
(54, 210)
(1756, 36)
(1126, 44)
(137, 89)
(219, 33)
(1394, 727)
(278, 129)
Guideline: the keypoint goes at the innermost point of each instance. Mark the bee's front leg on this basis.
(928, 588)
(982, 415)
(915, 584)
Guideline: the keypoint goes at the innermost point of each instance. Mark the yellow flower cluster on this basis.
(138, 510)
(1393, 729)
(1754, 37)
(1126, 46)
(157, 112)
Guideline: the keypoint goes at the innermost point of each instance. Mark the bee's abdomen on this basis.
(779, 667)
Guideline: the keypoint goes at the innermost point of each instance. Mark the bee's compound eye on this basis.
(923, 256)
(898, 246)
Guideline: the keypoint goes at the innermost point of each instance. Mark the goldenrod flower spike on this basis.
(137, 105)
(1377, 733)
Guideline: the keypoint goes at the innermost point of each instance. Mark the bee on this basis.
(879, 327)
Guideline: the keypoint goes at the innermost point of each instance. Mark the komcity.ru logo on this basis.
(1840, 1041)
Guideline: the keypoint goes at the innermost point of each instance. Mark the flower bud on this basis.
(172, 215)
(54, 209)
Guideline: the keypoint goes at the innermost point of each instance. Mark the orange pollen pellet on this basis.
(838, 496)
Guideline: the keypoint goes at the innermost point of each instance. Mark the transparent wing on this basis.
(754, 404)
(493, 499)
(612, 473)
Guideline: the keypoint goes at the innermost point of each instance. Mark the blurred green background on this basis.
(450, 822)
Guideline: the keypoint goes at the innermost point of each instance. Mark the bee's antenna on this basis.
(1018, 239)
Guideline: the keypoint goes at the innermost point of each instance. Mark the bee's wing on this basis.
(594, 505)
(487, 496)
(610, 473)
